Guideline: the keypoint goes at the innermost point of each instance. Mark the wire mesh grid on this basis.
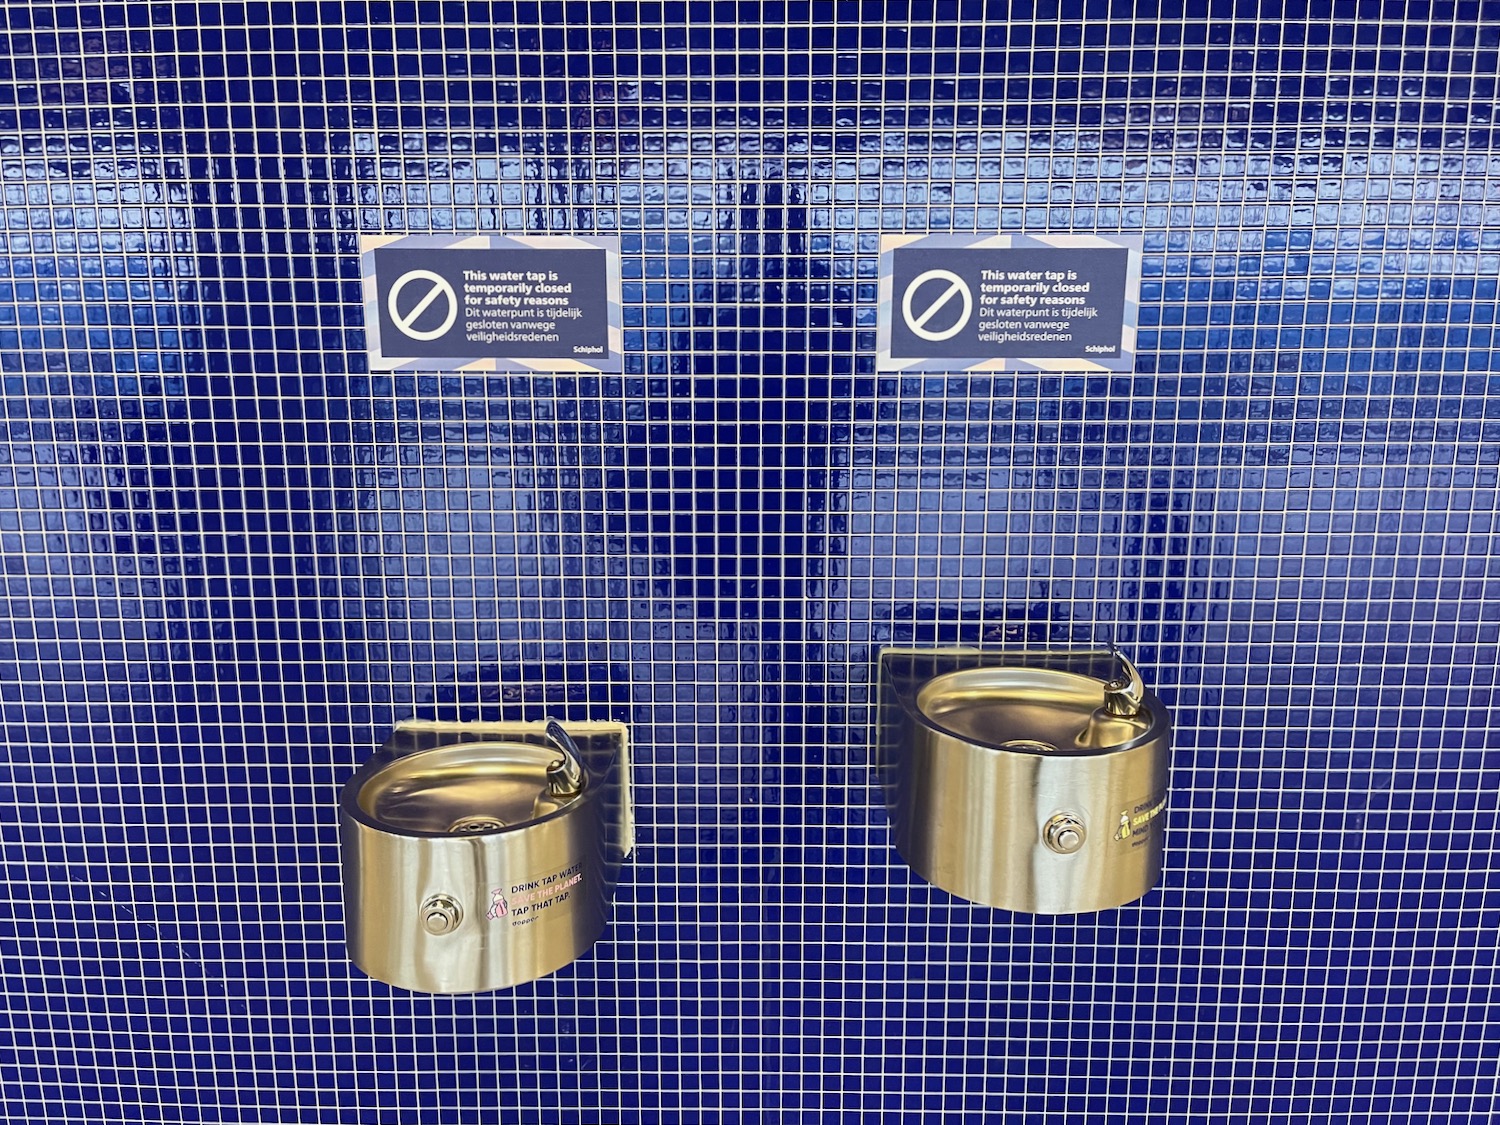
(234, 556)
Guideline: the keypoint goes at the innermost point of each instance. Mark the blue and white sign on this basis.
(1008, 302)
(465, 303)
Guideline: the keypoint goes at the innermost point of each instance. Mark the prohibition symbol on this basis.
(404, 321)
(935, 301)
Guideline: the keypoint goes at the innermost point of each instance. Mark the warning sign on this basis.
(1008, 302)
(433, 292)
(493, 303)
(927, 295)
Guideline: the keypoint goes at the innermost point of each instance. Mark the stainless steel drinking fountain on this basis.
(1034, 782)
(482, 855)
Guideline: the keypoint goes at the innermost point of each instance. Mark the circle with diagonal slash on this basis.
(917, 320)
(404, 321)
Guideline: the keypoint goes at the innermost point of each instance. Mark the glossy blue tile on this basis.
(232, 556)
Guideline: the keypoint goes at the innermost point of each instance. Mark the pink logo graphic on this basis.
(499, 908)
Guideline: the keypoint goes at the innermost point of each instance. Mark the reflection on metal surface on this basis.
(1028, 781)
(461, 788)
(482, 855)
(1125, 694)
(441, 915)
(564, 774)
(1065, 833)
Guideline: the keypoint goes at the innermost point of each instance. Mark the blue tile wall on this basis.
(233, 556)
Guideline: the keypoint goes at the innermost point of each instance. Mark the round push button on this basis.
(1064, 833)
(441, 915)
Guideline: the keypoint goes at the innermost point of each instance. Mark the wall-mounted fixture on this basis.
(482, 855)
(1031, 781)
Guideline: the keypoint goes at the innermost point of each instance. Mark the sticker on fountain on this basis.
(1136, 822)
(526, 900)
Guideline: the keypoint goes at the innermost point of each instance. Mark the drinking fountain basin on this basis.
(482, 855)
(1029, 781)
(468, 788)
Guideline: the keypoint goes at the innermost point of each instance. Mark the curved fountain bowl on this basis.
(1033, 782)
(466, 788)
(481, 856)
